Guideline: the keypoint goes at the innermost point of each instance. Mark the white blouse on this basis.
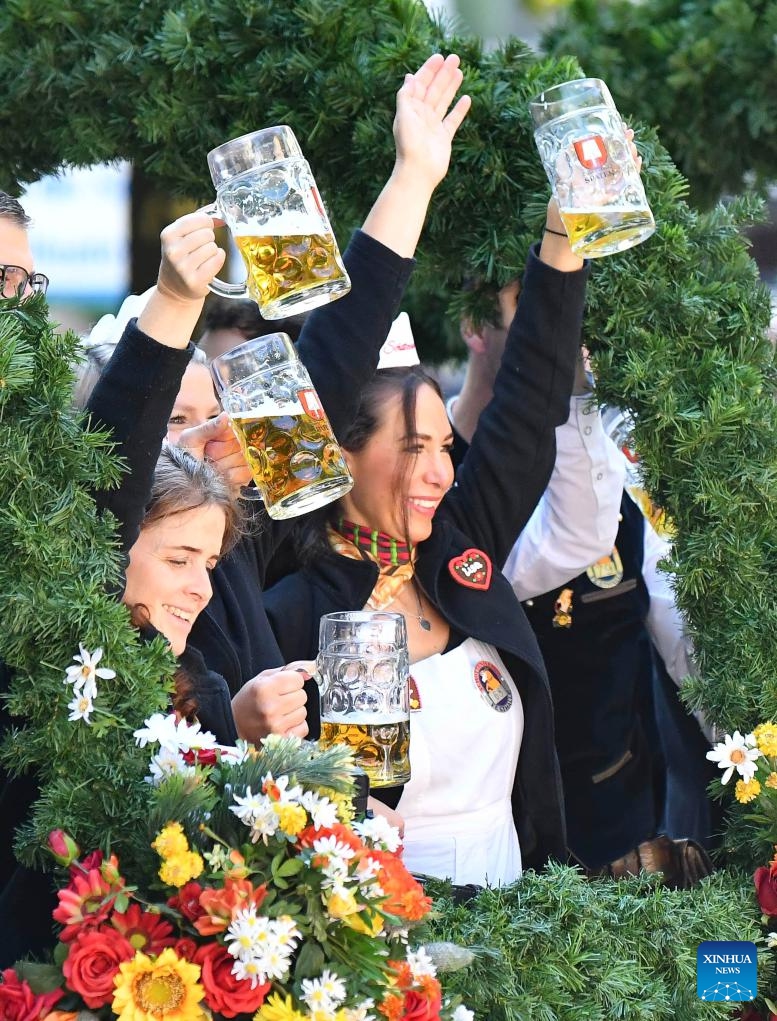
(466, 726)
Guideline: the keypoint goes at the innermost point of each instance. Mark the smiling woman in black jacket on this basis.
(484, 799)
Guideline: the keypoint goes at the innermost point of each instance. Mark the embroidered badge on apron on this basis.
(472, 568)
(492, 686)
(608, 571)
(413, 695)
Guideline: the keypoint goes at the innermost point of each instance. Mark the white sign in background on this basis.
(80, 234)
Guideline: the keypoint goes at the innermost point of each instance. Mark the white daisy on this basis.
(250, 970)
(166, 764)
(80, 707)
(174, 734)
(736, 753)
(83, 676)
(421, 964)
(461, 1013)
(322, 811)
(379, 832)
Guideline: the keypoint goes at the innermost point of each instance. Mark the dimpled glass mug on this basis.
(362, 671)
(282, 428)
(582, 142)
(266, 194)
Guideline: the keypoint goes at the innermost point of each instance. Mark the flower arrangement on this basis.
(260, 896)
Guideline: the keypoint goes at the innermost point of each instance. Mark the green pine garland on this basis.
(59, 566)
(557, 947)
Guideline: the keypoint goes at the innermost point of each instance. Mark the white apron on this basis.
(465, 737)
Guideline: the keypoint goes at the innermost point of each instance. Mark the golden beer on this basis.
(607, 228)
(381, 749)
(292, 454)
(282, 268)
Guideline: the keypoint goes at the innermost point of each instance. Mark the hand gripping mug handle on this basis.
(221, 287)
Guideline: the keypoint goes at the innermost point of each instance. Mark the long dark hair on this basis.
(310, 538)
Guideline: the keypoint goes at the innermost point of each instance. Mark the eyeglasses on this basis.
(14, 281)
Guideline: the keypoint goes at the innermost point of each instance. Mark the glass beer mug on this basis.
(362, 670)
(282, 428)
(266, 194)
(582, 142)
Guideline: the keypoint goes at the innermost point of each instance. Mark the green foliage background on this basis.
(676, 325)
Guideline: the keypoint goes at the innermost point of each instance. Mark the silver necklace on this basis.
(423, 621)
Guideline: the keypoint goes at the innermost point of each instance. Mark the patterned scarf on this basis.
(393, 557)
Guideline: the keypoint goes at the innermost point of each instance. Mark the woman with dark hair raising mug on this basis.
(484, 799)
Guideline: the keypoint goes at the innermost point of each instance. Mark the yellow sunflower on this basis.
(276, 1008)
(165, 989)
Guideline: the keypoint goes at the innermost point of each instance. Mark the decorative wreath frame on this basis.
(677, 327)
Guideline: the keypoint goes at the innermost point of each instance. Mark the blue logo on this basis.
(726, 970)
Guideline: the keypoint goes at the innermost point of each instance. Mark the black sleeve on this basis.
(503, 475)
(133, 398)
(339, 345)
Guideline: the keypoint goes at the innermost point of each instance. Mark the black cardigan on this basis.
(498, 484)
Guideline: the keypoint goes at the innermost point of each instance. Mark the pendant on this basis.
(425, 624)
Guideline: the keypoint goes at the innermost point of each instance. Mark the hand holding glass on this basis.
(587, 157)
(266, 194)
(363, 670)
(282, 428)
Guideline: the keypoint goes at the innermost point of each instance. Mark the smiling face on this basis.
(400, 477)
(196, 401)
(169, 570)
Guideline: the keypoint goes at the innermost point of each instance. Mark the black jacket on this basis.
(498, 484)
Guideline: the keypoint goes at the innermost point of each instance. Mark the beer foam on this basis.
(287, 223)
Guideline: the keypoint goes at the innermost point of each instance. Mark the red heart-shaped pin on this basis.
(472, 568)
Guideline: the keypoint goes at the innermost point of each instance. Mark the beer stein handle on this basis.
(221, 287)
(319, 677)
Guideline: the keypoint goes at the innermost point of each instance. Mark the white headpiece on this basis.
(109, 328)
(399, 349)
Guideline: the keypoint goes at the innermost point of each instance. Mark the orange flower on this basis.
(392, 1007)
(221, 905)
(402, 975)
(343, 833)
(405, 896)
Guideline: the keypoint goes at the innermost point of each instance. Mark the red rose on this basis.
(63, 847)
(224, 992)
(19, 1003)
(418, 1007)
(187, 901)
(766, 889)
(93, 963)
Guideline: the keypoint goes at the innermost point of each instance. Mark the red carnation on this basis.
(766, 889)
(93, 962)
(225, 993)
(19, 1003)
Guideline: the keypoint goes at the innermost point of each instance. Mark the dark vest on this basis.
(600, 668)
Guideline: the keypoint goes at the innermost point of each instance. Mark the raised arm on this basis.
(340, 342)
(137, 389)
(507, 467)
